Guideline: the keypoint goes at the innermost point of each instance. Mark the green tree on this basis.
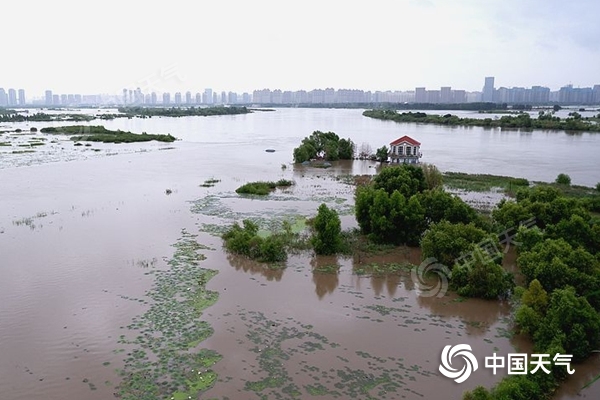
(346, 149)
(572, 321)
(407, 179)
(301, 154)
(433, 176)
(382, 154)
(447, 241)
(563, 179)
(482, 278)
(441, 205)
(327, 238)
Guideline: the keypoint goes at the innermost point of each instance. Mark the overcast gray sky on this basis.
(77, 47)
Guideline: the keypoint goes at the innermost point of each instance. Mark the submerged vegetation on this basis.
(575, 122)
(159, 363)
(262, 188)
(101, 134)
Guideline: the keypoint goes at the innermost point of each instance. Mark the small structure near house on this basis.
(405, 150)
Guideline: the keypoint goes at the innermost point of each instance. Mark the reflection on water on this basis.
(245, 264)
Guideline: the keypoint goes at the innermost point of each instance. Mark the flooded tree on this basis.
(327, 238)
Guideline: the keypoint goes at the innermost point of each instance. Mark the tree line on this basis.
(574, 122)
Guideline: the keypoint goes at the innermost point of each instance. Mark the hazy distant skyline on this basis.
(240, 46)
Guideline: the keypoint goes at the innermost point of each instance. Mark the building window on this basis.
(400, 148)
(408, 150)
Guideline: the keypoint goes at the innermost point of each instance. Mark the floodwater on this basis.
(80, 230)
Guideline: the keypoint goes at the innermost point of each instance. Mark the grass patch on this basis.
(483, 182)
(22, 151)
(101, 134)
(381, 270)
(5, 144)
(262, 188)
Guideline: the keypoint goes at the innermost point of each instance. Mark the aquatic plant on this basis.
(163, 362)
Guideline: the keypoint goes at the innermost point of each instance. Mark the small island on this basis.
(101, 134)
(19, 116)
(146, 112)
(545, 120)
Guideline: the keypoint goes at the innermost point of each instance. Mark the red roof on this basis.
(406, 139)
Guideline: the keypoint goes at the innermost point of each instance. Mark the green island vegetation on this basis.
(510, 185)
(146, 112)
(16, 116)
(245, 240)
(262, 188)
(101, 134)
(324, 145)
(545, 120)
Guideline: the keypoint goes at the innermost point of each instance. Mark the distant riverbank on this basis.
(575, 122)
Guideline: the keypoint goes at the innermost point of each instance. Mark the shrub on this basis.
(245, 241)
(563, 179)
(433, 176)
(598, 186)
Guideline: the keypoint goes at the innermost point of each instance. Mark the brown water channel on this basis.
(79, 239)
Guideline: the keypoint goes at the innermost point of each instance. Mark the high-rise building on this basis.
(246, 98)
(22, 100)
(178, 98)
(188, 97)
(460, 96)
(214, 98)
(12, 97)
(433, 96)
(596, 96)
(488, 90)
(166, 98)
(223, 98)
(3, 98)
(48, 97)
(446, 95)
(198, 98)
(207, 97)
(153, 98)
(232, 98)
(55, 100)
(420, 95)
(125, 96)
(63, 99)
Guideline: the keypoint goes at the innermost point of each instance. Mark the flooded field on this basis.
(100, 274)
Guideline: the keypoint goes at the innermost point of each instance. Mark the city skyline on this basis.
(534, 95)
(241, 46)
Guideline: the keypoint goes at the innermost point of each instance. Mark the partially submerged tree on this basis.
(327, 237)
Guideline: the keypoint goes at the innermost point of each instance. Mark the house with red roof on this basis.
(405, 150)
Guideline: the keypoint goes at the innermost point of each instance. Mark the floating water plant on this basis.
(164, 362)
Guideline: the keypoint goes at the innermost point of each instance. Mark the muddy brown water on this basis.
(77, 239)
